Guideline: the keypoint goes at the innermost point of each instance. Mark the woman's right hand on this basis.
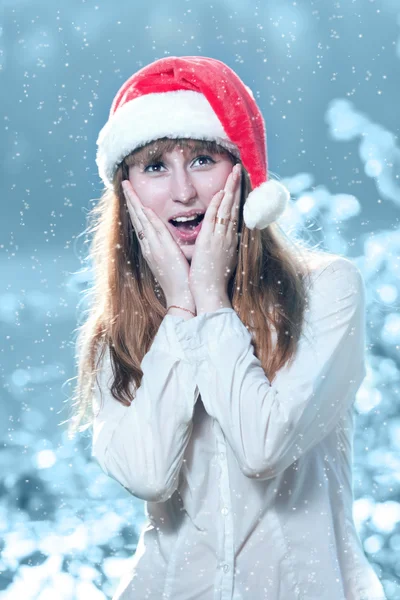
(165, 258)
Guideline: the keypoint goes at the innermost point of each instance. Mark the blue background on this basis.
(326, 77)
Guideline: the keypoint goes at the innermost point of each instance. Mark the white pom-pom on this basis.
(265, 204)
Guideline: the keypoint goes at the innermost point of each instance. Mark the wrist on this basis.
(212, 303)
(186, 301)
(182, 306)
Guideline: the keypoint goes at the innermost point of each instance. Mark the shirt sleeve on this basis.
(269, 426)
(142, 446)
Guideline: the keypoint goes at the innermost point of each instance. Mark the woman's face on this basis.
(182, 180)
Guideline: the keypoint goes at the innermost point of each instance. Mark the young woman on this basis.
(220, 360)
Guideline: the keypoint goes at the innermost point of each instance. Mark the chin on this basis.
(188, 251)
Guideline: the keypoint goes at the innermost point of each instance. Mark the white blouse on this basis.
(248, 486)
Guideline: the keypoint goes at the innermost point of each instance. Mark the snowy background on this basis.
(326, 75)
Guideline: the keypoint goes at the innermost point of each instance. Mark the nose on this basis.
(181, 185)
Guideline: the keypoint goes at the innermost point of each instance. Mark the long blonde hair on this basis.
(268, 289)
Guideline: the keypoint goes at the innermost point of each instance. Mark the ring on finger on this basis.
(221, 220)
(136, 222)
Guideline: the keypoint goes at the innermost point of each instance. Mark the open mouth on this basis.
(187, 226)
(188, 230)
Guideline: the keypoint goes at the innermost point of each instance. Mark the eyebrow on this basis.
(153, 155)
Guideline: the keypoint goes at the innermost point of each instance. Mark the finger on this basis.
(139, 225)
(225, 208)
(159, 231)
(231, 188)
(209, 218)
(152, 217)
(134, 206)
(160, 228)
(145, 218)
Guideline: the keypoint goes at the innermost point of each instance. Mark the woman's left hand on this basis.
(216, 249)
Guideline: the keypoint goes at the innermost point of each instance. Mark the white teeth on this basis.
(183, 219)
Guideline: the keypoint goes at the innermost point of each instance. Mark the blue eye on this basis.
(160, 164)
(205, 158)
(146, 170)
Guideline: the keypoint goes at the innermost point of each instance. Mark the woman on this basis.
(221, 360)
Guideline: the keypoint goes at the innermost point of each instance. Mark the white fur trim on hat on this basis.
(265, 204)
(182, 113)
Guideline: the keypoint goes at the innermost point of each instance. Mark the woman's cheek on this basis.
(158, 192)
(151, 192)
(212, 183)
(209, 192)
(157, 199)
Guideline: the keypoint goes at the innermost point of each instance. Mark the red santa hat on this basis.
(200, 98)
